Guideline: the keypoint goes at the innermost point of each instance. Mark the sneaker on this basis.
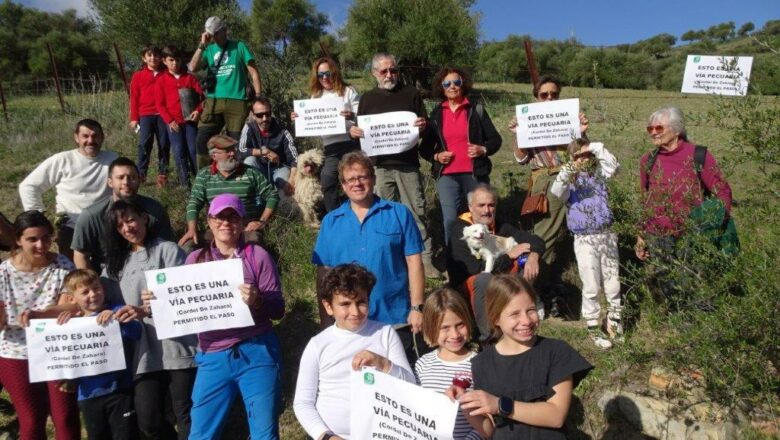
(430, 270)
(615, 328)
(540, 310)
(162, 181)
(599, 338)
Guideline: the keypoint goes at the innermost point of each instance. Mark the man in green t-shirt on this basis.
(228, 62)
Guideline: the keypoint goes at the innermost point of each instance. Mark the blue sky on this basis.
(593, 22)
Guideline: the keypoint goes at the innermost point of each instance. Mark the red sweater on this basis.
(674, 188)
(143, 94)
(168, 104)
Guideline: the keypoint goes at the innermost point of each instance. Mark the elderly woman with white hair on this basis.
(676, 177)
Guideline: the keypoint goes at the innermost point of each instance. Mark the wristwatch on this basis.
(417, 308)
(506, 406)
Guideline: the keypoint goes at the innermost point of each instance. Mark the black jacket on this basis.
(461, 264)
(481, 132)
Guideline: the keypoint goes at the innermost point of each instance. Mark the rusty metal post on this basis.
(56, 77)
(121, 66)
(529, 56)
(2, 98)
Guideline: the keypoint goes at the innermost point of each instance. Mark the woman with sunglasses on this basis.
(545, 163)
(326, 82)
(30, 284)
(458, 142)
(160, 367)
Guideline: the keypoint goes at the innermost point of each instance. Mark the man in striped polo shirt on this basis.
(226, 174)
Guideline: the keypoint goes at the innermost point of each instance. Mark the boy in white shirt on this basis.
(322, 392)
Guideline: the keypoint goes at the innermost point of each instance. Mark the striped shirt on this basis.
(247, 183)
(436, 375)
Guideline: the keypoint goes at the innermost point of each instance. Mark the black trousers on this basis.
(110, 417)
(329, 173)
(159, 392)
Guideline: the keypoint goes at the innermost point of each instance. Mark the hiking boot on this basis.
(599, 338)
(162, 180)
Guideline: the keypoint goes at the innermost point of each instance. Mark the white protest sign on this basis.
(383, 407)
(547, 123)
(718, 75)
(388, 133)
(195, 298)
(319, 117)
(80, 347)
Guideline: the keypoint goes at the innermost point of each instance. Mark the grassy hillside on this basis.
(740, 370)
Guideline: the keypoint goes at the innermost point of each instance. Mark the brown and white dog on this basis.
(485, 246)
(308, 191)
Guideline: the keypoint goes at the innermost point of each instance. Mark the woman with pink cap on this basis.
(247, 359)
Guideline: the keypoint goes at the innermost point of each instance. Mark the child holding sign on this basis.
(322, 403)
(105, 400)
(447, 324)
(525, 379)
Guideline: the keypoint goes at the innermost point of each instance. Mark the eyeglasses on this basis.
(356, 179)
(545, 95)
(391, 70)
(226, 218)
(261, 115)
(325, 74)
(456, 83)
(655, 128)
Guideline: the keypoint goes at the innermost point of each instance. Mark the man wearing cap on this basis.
(227, 175)
(228, 63)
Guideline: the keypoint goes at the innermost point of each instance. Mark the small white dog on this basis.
(484, 245)
(308, 191)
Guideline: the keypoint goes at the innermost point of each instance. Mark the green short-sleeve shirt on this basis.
(232, 74)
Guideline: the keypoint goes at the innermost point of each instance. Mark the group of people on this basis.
(373, 253)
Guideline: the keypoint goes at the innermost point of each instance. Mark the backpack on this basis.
(709, 218)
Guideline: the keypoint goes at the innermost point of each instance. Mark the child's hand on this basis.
(64, 317)
(105, 317)
(370, 359)
(67, 386)
(128, 313)
(477, 403)
(146, 301)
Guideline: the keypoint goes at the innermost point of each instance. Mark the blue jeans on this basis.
(253, 368)
(153, 127)
(183, 143)
(452, 189)
(279, 175)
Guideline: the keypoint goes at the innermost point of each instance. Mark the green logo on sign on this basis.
(160, 278)
(368, 379)
(524, 110)
(301, 104)
(40, 327)
(696, 59)
(367, 119)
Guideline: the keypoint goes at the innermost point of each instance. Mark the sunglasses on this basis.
(655, 128)
(553, 95)
(261, 115)
(325, 74)
(392, 70)
(456, 83)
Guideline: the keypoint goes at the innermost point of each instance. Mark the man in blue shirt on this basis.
(383, 237)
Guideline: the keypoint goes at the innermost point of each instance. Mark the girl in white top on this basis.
(322, 392)
(325, 82)
(447, 325)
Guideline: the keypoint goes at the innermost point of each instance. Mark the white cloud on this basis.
(81, 6)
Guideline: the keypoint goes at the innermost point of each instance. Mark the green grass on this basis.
(38, 128)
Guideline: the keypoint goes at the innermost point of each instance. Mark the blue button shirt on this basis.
(381, 244)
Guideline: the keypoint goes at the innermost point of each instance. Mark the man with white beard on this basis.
(398, 177)
(227, 175)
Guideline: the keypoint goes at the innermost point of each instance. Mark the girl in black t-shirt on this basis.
(524, 382)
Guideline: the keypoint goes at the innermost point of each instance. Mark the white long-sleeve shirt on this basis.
(322, 392)
(80, 182)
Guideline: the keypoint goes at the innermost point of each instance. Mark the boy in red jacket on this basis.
(144, 117)
(179, 101)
